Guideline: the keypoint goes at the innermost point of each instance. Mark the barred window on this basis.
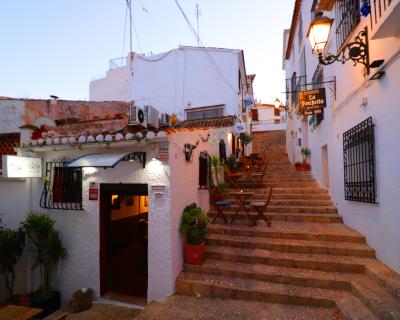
(62, 188)
(359, 162)
(347, 13)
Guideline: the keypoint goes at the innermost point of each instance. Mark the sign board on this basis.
(312, 101)
(21, 167)
(239, 127)
(158, 195)
(93, 191)
(157, 188)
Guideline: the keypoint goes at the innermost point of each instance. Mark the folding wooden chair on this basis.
(260, 207)
(255, 179)
(219, 205)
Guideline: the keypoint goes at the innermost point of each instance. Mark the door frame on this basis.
(106, 189)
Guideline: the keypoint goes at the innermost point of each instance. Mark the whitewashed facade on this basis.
(354, 97)
(178, 80)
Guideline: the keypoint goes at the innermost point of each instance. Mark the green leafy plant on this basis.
(306, 153)
(232, 163)
(12, 244)
(49, 250)
(245, 138)
(193, 224)
(215, 163)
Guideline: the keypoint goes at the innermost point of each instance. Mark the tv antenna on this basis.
(198, 13)
(129, 4)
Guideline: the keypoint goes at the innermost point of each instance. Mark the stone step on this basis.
(297, 191)
(300, 196)
(297, 202)
(197, 284)
(288, 209)
(378, 300)
(292, 245)
(287, 179)
(291, 184)
(288, 259)
(276, 274)
(293, 230)
(294, 217)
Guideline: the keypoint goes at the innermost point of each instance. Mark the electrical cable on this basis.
(137, 36)
(123, 41)
(213, 63)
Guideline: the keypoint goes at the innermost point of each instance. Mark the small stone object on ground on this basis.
(81, 300)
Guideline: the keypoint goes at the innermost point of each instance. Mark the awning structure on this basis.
(107, 160)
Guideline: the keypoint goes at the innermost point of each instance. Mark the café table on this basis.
(14, 312)
(241, 197)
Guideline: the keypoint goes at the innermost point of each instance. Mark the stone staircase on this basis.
(308, 257)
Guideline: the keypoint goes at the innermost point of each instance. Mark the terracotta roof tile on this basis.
(227, 121)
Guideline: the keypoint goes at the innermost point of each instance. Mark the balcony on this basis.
(385, 17)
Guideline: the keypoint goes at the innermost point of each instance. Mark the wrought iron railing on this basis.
(347, 16)
(117, 63)
(359, 162)
(62, 187)
(378, 7)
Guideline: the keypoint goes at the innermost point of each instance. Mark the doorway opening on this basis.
(123, 241)
(325, 166)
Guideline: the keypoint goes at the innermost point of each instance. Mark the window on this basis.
(359, 162)
(293, 90)
(62, 188)
(347, 16)
(205, 113)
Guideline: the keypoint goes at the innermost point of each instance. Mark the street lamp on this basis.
(356, 51)
(277, 103)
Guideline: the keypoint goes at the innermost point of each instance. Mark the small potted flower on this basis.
(194, 227)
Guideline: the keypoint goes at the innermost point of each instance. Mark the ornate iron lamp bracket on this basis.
(357, 51)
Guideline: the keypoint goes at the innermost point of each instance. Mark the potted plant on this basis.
(219, 189)
(194, 227)
(12, 244)
(232, 163)
(245, 139)
(306, 153)
(299, 166)
(49, 251)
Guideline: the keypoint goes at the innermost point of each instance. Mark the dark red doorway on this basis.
(123, 239)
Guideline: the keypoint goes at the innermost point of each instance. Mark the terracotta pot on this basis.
(194, 254)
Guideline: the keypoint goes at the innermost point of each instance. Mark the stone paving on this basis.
(188, 308)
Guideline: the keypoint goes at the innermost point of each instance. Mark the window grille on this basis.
(359, 162)
(347, 13)
(205, 113)
(62, 187)
(293, 89)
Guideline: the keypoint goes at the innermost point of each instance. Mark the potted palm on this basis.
(219, 189)
(12, 243)
(194, 227)
(48, 252)
(245, 139)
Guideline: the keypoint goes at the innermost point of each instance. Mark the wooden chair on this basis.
(260, 207)
(58, 315)
(255, 179)
(219, 203)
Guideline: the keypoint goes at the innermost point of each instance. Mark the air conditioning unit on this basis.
(137, 116)
(152, 116)
(165, 120)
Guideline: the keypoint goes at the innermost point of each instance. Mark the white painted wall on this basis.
(11, 115)
(172, 81)
(378, 222)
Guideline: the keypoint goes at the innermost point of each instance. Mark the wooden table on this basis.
(13, 312)
(240, 198)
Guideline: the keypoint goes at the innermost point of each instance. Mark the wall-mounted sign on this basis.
(239, 127)
(21, 167)
(157, 188)
(312, 101)
(93, 191)
(158, 195)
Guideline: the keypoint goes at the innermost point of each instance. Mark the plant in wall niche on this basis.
(12, 244)
(306, 153)
(48, 252)
(194, 226)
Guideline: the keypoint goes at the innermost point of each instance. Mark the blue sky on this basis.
(58, 46)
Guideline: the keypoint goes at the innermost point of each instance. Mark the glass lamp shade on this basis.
(277, 103)
(318, 33)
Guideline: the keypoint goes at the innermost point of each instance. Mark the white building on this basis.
(354, 144)
(118, 208)
(191, 82)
